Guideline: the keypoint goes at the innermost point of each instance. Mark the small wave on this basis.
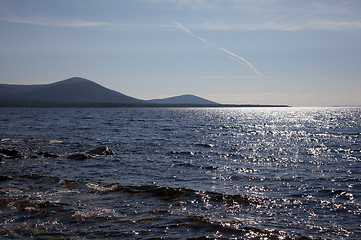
(32, 205)
(11, 140)
(55, 141)
(170, 193)
(186, 165)
(37, 140)
(104, 187)
(30, 140)
(218, 227)
(205, 145)
(137, 221)
(190, 153)
(339, 193)
(95, 213)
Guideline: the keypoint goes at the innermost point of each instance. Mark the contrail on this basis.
(193, 35)
(242, 59)
(234, 56)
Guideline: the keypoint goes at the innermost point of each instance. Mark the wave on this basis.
(205, 145)
(117, 206)
(30, 140)
(95, 213)
(171, 193)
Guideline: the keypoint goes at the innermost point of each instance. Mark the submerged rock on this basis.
(67, 183)
(78, 156)
(10, 153)
(5, 178)
(48, 154)
(102, 150)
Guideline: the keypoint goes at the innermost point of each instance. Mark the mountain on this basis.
(183, 100)
(76, 90)
(80, 92)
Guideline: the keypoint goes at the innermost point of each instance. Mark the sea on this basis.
(181, 173)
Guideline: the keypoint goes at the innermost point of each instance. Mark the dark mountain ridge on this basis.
(78, 91)
(184, 99)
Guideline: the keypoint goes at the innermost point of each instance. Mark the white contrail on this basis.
(234, 56)
(193, 35)
(242, 59)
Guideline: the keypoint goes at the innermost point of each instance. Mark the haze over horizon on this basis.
(299, 53)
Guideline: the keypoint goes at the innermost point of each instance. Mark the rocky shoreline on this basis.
(13, 152)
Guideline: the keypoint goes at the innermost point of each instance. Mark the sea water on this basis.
(182, 173)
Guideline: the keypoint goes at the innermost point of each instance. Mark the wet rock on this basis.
(78, 156)
(10, 153)
(67, 183)
(5, 178)
(102, 150)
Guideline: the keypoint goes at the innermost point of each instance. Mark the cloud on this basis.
(54, 22)
(281, 15)
(232, 55)
(334, 25)
(327, 25)
(277, 7)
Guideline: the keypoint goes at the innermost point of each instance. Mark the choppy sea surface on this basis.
(182, 173)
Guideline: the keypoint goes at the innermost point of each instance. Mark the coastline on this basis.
(117, 105)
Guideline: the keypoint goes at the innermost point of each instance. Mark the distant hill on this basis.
(80, 92)
(184, 100)
(76, 90)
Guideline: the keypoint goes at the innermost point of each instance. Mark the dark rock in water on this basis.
(102, 150)
(78, 156)
(5, 178)
(67, 183)
(48, 154)
(10, 153)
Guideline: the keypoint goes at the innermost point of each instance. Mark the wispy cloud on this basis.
(54, 22)
(345, 7)
(230, 54)
(333, 25)
(328, 25)
(281, 15)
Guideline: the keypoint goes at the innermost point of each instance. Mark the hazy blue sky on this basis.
(297, 52)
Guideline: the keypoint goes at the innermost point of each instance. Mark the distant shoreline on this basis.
(77, 92)
(115, 105)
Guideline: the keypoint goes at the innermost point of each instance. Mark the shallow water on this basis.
(182, 173)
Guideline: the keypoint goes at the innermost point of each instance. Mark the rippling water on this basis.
(182, 173)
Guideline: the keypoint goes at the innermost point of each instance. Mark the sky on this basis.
(300, 53)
